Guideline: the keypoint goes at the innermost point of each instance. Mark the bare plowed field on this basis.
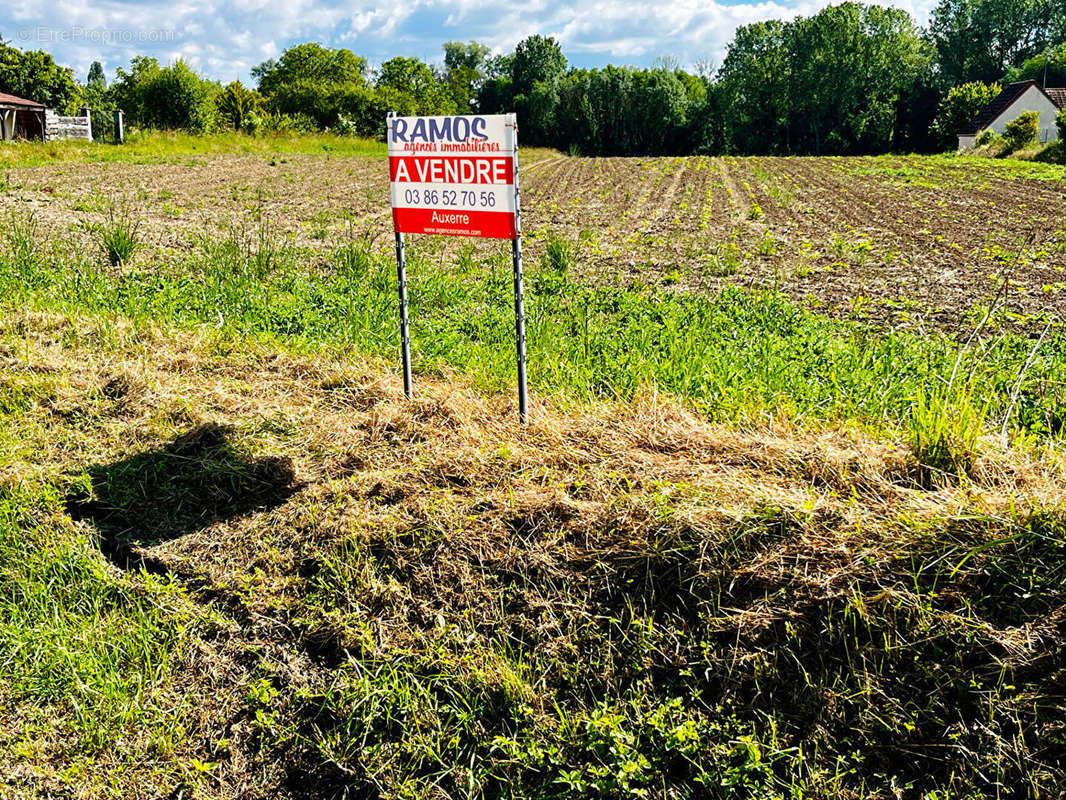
(911, 241)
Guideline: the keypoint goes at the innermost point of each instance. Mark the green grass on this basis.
(1006, 168)
(946, 425)
(736, 354)
(76, 641)
(516, 714)
(538, 618)
(960, 170)
(163, 146)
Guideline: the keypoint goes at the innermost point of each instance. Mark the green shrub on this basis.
(959, 106)
(1060, 123)
(277, 122)
(172, 97)
(1022, 130)
(987, 137)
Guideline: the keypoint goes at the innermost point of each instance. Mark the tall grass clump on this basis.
(559, 255)
(945, 427)
(249, 249)
(22, 238)
(119, 235)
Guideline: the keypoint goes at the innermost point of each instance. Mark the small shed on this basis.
(21, 118)
(1014, 99)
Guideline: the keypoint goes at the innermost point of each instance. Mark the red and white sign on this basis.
(454, 175)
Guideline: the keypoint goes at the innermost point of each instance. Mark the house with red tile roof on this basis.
(1014, 99)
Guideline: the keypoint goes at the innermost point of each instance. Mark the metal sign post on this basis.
(519, 292)
(405, 329)
(401, 283)
(456, 176)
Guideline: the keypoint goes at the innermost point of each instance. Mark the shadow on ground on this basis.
(200, 478)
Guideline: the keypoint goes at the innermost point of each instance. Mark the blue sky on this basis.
(224, 39)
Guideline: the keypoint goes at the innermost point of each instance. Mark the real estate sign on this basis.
(454, 175)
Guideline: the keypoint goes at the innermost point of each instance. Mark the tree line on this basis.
(850, 79)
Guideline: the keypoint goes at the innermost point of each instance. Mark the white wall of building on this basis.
(1032, 99)
(57, 127)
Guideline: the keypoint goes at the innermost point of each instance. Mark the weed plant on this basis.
(119, 236)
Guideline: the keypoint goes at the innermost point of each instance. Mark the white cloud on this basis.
(225, 38)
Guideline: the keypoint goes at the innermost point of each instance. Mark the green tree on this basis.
(958, 108)
(611, 91)
(473, 55)
(755, 89)
(537, 59)
(1047, 68)
(126, 89)
(409, 87)
(176, 97)
(579, 116)
(321, 83)
(496, 95)
(537, 114)
(836, 82)
(237, 107)
(658, 111)
(620, 111)
(854, 65)
(537, 65)
(34, 75)
(1056, 22)
(100, 103)
(707, 134)
(172, 97)
(465, 72)
(312, 63)
(96, 79)
(980, 40)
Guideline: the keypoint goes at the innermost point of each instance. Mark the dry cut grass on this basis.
(365, 596)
